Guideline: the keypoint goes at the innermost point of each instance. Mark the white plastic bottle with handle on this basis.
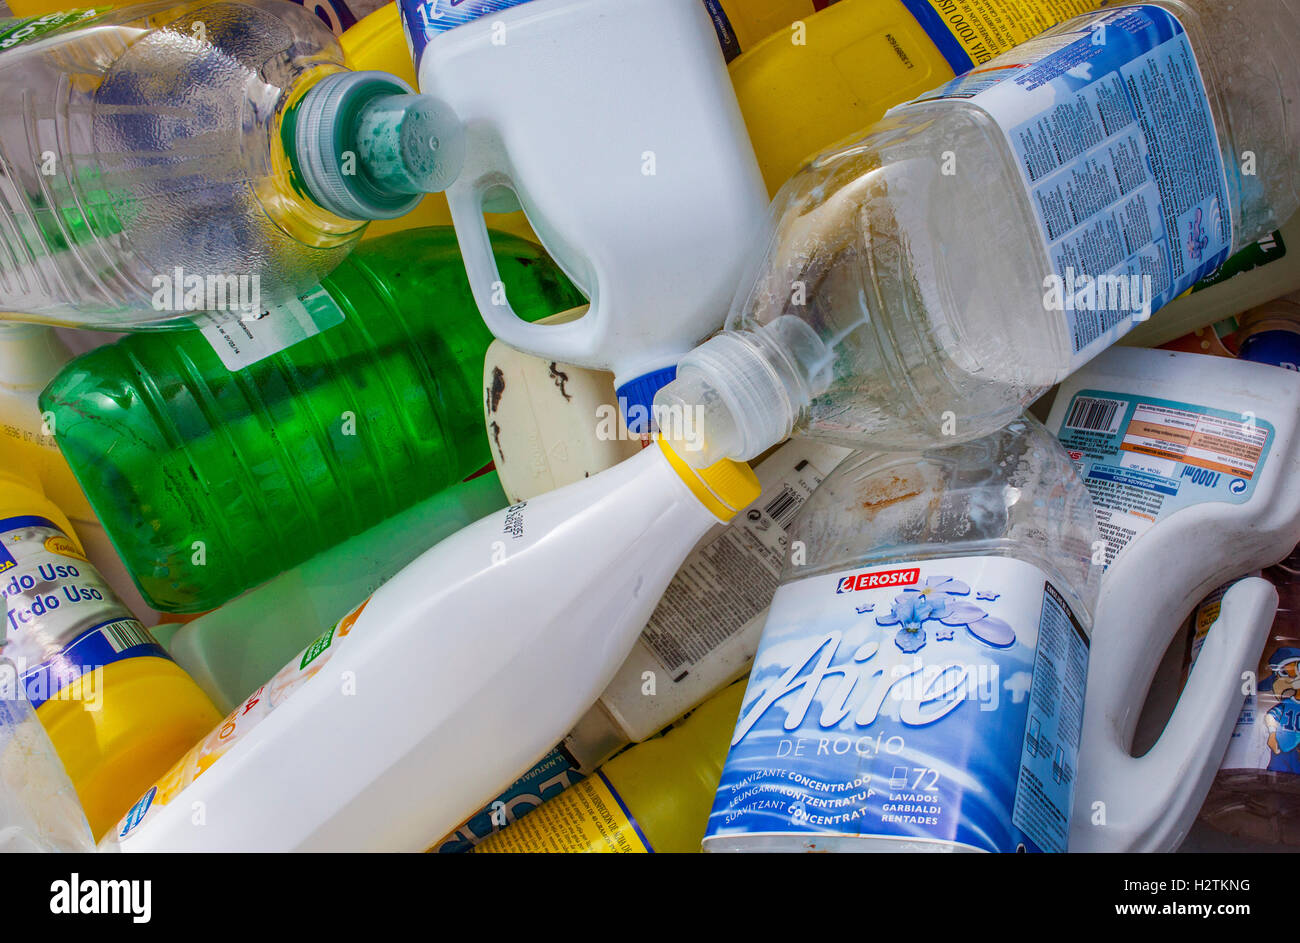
(616, 128)
(922, 285)
(1193, 463)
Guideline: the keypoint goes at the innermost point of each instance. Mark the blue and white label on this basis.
(424, 19)
(63, 624)
(1143, 458)
(938, 702)
(1108, 121)
(553, 774)
(135, 815)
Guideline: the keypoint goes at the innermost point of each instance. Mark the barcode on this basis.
(1095, 415)
(784, 506)
(126, 633)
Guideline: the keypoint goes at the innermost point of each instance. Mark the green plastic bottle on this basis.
(217, 459)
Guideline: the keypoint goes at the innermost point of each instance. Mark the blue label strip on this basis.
(627, 813)
(930, 21)
(89, 651)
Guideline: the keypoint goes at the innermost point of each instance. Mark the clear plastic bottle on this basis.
(38, 806)
(220, 146)
(919, 683)
(919, 286)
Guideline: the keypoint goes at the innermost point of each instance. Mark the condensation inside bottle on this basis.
(153, 158)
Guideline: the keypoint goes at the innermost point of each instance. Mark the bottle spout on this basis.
(695, 420)
(410, 143)
(735, 396)
(365, 146)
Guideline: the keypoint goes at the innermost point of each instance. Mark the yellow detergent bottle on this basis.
(654, 796)
(118, 710)
(836, 73)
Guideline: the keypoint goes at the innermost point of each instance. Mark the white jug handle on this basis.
(1151, 801)
(571, 341)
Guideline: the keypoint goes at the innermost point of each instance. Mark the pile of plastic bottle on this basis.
(650, 425)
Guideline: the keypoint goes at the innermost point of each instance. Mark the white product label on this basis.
(729, 578)
(935, 701)
(242, 343)
(238, 724)
(1143, 458)
(1108, 121)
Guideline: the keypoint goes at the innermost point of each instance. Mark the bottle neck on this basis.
(723, 487)
(362, 146)
(282, 192)
(742, 392)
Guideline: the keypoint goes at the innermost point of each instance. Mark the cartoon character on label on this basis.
(1283, 720)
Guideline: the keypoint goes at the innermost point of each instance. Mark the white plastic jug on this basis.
(617, 128)
(1194, 467)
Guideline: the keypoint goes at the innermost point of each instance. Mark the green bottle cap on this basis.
(366, 147)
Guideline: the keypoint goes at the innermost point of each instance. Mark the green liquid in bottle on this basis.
(211, 481)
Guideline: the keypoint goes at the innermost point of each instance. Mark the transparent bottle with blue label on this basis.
(985, 240)
(919, 683)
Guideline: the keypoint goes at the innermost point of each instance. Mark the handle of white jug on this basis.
(570, 341)
(1153, 799)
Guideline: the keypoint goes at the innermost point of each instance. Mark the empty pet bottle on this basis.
(161, 159)
(922, 285)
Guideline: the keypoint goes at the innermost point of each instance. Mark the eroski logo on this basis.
(858, 581)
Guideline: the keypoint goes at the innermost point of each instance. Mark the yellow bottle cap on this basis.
(723, 487)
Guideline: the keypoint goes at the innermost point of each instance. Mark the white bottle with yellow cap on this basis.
(490, 646)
